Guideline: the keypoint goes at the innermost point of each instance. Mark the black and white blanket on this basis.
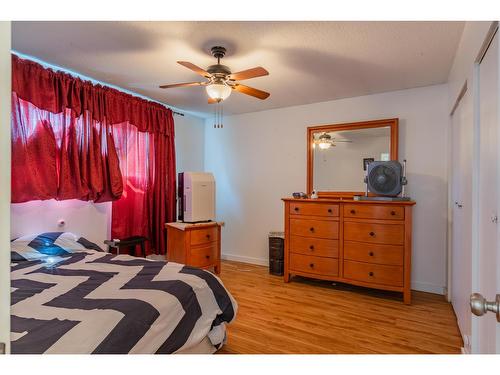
(95, 302)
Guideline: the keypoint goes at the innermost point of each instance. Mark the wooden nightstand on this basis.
(196, 245)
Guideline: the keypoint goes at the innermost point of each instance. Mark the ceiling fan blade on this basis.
(212, 101)
(194, 68)
(251, 91)
(249, 73)
(182, 85)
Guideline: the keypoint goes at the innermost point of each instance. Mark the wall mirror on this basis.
(337, 155)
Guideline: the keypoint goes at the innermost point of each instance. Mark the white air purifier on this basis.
(196, 197)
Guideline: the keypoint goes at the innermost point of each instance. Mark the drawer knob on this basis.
(311, 265)
(296, 209)
(311, 229)
(311, 247)
(208, 236)
(330, 211)
(370, 253)
(207, 256)
(372, 234)
(393, 213)
(370, 273)
(353, 212)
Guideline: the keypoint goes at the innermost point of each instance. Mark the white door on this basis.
(486, 259)
(461, 199)
(4, 183)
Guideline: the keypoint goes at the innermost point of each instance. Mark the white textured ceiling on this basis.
(308, 62)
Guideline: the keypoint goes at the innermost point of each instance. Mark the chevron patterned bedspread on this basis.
(95, 302)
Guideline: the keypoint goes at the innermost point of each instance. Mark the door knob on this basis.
(479, 306)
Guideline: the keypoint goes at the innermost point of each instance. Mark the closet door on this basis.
(461, 196)
(486, 260)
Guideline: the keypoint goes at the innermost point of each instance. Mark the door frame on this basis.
(5, 102)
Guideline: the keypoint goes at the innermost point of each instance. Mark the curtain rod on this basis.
(177, 113)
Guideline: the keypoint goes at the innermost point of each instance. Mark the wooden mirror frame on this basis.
(393, 123)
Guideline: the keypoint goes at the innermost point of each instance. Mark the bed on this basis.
(68, 296)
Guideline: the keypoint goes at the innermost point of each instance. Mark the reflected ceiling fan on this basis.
(325, 141)
(220, 81)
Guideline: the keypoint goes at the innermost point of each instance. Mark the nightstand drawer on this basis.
(374, 253)
(391, 234)
(314, 246)
(314, 209)
(373, 273)
(203, 256)
(200, 236)
(312, 264)
(374, 211)
(315, 228)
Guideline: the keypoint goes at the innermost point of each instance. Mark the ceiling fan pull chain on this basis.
(221, 115)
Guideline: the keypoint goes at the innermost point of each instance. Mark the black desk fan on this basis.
(387, 180)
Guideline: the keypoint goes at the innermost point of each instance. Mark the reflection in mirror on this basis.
(340, 157)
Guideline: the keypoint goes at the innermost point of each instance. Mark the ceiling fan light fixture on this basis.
(325, 141)
(324, 145)
(218, 91)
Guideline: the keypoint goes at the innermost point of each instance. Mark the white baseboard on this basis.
(415, 285)
(428, 287)
(243, 259)
(466, 349)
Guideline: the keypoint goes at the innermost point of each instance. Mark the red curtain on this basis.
(61, 156)
(148, 168)
(85, 134)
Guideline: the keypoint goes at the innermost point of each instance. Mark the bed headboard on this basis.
(87, 219)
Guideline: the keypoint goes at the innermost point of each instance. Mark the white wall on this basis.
(255, 165)
(5, 73)
(460, 268)
(189, 143)
(463, 65)
(93, 221)
(87, 219)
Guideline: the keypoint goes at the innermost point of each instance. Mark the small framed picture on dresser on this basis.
(367, 161)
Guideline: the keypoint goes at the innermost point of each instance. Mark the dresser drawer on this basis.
(314, 246)
(374, 253)
(200, 236)
(391, 234)
(314, 209)
(373, 273)
(315, 228)
(313, 264)
(374, 211)
(203, 256)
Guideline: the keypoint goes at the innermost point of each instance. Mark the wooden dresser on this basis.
(196, 245)
(356, 242)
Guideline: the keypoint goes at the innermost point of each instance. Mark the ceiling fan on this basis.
(220, 81)
(325, 141)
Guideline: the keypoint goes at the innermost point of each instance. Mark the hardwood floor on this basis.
(311, 316)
